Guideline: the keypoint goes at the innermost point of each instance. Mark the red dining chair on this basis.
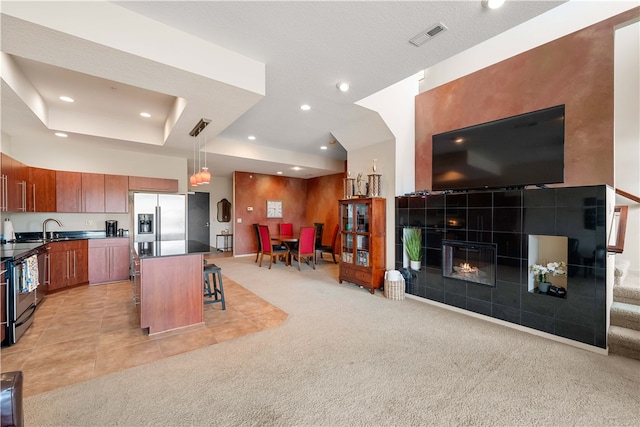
(330, 249)
(257, 232)
(267, 248)
(307, 246)
(286, 229)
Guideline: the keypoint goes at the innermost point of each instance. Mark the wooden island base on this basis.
(171, 295)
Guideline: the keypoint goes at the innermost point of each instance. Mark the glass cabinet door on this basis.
(346, 217)
(347, 247)
(362, 250)
(362, 218)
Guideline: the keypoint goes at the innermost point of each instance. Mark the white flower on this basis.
(554, 268)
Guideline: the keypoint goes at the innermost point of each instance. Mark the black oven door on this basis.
(22, 301)
(22, 323)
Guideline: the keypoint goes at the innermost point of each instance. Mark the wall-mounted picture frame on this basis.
(274, 208)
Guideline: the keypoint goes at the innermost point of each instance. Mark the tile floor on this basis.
(85, 332)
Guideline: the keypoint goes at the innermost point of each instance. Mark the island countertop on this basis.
(165, 248)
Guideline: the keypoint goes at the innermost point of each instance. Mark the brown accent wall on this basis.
(322, 200)
(575, 70)
(304, 201)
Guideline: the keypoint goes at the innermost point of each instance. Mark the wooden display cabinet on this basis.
(363, 244)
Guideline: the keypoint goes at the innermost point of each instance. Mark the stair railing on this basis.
(619, 223)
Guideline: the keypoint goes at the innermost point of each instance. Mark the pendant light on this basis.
(199, 176)
(192, 179)
(205, 175)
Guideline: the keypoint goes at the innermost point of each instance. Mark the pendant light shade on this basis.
(206, 176)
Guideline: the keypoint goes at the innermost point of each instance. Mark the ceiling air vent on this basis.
(428, 34)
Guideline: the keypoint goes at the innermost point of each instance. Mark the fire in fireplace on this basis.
(469, 261)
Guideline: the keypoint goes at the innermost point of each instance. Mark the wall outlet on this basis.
(89, 222)
(239, 220)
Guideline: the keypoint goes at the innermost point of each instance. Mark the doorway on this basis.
(198, 217)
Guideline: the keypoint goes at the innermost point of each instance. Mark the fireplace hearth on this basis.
(469, 261)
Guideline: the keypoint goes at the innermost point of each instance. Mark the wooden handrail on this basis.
(628, 195)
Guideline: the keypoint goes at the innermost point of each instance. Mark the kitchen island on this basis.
(170, 289)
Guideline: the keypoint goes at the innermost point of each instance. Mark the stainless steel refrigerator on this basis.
(159, 217)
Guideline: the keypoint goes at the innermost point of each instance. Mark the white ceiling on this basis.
(306, 48)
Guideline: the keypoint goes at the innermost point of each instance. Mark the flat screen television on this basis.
(527, 149)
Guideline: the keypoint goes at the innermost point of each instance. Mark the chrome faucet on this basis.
(44, 226)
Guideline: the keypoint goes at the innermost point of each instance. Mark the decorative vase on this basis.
(544, 286)
(414, 265)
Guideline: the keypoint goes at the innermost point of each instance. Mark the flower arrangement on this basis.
(541, 272)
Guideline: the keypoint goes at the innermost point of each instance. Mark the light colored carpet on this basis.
(347, 358)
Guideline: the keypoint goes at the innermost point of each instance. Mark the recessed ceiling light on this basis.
(492, 4)
(67, 99)
(324, 147)
(61, 134)
(147, 115)
(251, 137)
(296, 168)
(343, 86)
(279, 172)
(305, 107)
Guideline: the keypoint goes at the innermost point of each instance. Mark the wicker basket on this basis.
(394, 289)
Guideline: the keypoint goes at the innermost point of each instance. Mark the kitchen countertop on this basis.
(27, 241)
(165, 248)
(13, 250)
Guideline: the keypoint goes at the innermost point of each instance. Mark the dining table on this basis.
(288, 240)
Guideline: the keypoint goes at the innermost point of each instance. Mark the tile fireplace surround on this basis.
(509, 219)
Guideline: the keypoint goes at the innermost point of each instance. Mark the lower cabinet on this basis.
(108, 260)
(69, 264)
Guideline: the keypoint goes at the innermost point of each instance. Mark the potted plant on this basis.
(412, 240)
(541, 273)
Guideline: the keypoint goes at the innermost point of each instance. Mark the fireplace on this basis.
(469, 261)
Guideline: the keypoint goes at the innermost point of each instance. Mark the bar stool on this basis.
(213, 284)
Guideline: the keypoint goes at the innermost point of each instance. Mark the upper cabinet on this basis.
(92, 192)
(79, 192)
(68, 191)
(30, 189)
(14, 185)
(116, 193)
(41, 190)
(139, 183)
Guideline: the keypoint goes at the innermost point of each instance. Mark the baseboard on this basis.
(583, 346)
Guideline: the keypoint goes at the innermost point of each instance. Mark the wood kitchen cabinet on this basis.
(108, 260)
(69, 264)
(14, 185)
(363, 253)
(140, 183)
(92, 192)
(116, 193)
(41, 190)
(79, 192)
(68, 191)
